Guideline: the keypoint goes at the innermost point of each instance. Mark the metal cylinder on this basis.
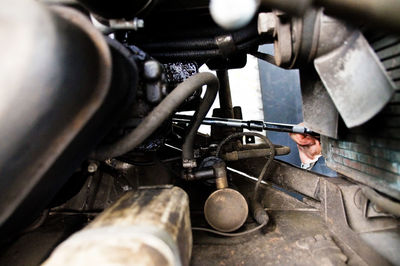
(55, 74)
(226, 210)
(221, 179)
(225, 97)
(147, 227)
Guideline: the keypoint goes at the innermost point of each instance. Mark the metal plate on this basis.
(355, 79)
(319, 112)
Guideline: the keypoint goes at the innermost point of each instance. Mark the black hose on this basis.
(157, 116)
(200, 114)
(187, 42)
(246, 47)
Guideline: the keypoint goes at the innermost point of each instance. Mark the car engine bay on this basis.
(102, 161)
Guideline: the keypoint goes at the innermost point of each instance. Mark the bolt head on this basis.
(140, 23)
(152, 70)
(92, 167)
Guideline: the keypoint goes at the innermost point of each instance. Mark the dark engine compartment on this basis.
(98, 149)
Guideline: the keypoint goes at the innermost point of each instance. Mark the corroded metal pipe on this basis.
(148, 227)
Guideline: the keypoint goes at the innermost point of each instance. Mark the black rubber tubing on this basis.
(200, 114)
(159, 114)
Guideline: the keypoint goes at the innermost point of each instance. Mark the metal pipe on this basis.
(225, 97)
(382, 202)
(254, 153)
(157, 116)
(148, 227)
(249, 124)
(221, 179)
(203, 174)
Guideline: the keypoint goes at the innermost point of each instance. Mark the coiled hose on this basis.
(161, 113)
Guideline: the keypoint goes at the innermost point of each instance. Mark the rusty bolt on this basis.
(266, 23)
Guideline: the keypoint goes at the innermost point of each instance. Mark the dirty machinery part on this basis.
(52, 128)
(95, 151)
(151, 225)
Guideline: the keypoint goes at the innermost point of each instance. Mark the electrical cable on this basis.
(230, 234)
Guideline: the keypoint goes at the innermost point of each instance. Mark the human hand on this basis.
(309, 147)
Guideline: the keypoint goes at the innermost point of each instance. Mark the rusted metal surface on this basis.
(148, 227)
(221, 179)
(226, 210)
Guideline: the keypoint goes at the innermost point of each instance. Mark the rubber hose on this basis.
(156, 117)
(200, 114)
